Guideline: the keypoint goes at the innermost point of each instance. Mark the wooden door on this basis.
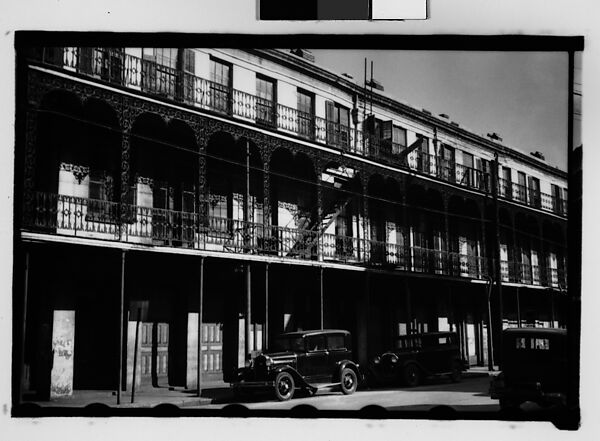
(212, 352)
(154, 354)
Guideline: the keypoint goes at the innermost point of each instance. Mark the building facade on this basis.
(178, 208)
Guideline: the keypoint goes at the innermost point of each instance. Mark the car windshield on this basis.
(284, 344)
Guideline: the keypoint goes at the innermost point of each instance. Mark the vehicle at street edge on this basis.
(306, 360)
(416, 356)
(533, 368)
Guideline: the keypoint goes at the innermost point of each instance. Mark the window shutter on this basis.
(189, 61)
(386, 132)
(329, 111)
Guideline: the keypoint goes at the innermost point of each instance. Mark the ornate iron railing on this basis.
(90, 218)
(519, 193)
(518, 272)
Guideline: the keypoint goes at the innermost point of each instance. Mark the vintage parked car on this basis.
(533, 367)
(416, 356)
(306, 360)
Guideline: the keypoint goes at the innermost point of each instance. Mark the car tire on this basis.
(508, 405)
(411, 375)
(284, 386)
(456, 372)
(348, 381)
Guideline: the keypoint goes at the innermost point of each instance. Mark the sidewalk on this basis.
(145, 398)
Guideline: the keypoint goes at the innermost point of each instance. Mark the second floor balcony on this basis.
(111, 221)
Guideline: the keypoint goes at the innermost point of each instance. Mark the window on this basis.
(535, 199)
(336, 342)
(398, 139)
(189, 80)
(521, 187)
(540, 343)
(393, 137)
(468, 176)
(220, 86)
(557, 199)
(306, 114)
(265, 100)
(316, 343)
(159, 74)
(447, 163)
(338, 124)
(100, 207)
(506, 183)
(482, 167)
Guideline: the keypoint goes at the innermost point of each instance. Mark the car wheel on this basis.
(284, 386)
(348, 380)
(412, 375)
(508, 404)
(456, 372)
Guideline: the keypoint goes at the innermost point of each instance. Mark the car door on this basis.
(316, 361)
(338, 351)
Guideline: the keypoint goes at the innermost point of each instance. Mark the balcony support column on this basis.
(266, 330)
(248, 307)
(518, 308)
(200, 313)
(319, 212)
(121, 325)
(484, 251)
(126, 122)
(31, 127)
(449, 263)
(365, 213)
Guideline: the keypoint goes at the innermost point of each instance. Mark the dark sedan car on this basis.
(534, 367)
(307, 360)
(417, 356)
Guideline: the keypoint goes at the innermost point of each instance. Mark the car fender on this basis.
(300, 382)
(340, 365)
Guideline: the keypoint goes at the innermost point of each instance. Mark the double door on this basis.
(154, 354)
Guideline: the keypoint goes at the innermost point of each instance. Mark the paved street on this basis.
(471, 394)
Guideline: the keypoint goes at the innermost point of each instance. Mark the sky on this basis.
(522, 96)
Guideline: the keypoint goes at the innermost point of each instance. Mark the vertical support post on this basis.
(319, 227)
(266, 330)
(409, 316)
(121, 324)
(449, 263)
(247, 201)
(248, 311)
(125, 160)
(135, 351)
(518, 309)
(552, 308)
(24, 327)
(490, 332)
(365, 196)
(321, 290)
(200, 311)
(31, 125)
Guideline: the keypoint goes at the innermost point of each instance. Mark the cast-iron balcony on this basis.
(96, 219)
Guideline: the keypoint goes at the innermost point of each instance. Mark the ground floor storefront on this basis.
(97, 318)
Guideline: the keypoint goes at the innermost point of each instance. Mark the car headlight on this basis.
(268, 361)
(376, 360)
